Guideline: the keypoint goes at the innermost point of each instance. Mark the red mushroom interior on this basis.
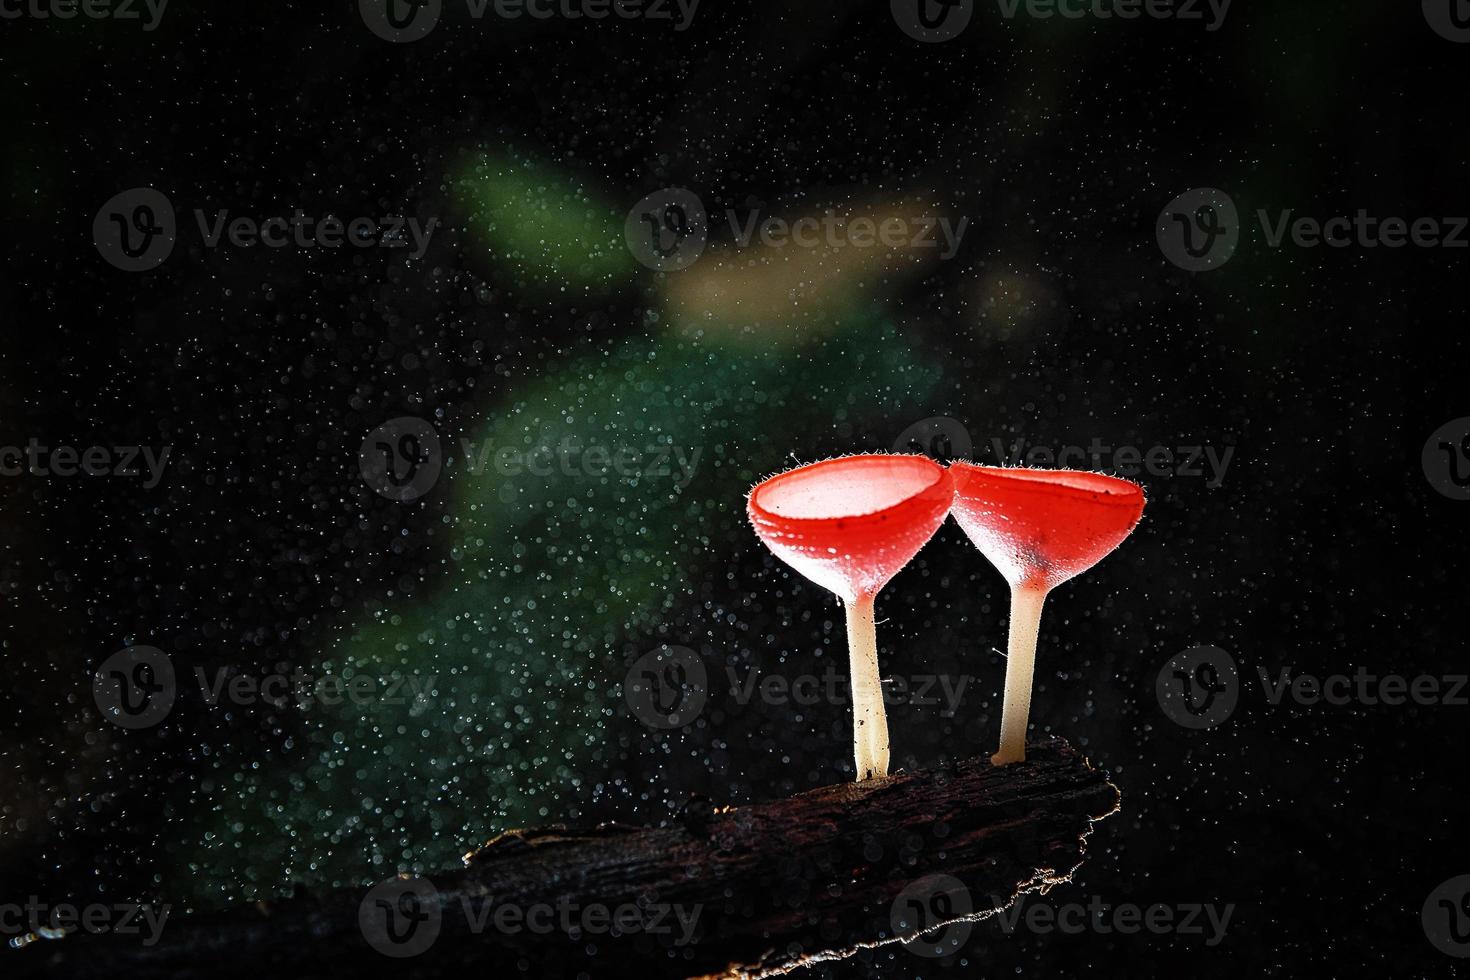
(850, 524)
(1042, 527)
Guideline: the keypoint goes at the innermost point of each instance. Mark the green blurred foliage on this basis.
(542, 227)
(548, 579)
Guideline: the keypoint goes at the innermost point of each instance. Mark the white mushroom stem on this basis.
(869, 721)
(1020, 665)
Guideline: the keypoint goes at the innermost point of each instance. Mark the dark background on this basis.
(1324, 548)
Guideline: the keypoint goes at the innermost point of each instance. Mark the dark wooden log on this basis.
(747, 891)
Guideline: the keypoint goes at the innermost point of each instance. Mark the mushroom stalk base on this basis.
(1020, 665)
(869, 719)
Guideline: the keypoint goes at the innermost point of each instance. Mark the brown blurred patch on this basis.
(802, 272)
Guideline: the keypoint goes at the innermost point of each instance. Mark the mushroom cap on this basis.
(849, 524)
(1042, 527)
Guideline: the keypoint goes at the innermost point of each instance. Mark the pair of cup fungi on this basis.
(849, 524)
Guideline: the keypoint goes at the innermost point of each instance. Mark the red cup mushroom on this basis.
(1039, 528)
(849, 524)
